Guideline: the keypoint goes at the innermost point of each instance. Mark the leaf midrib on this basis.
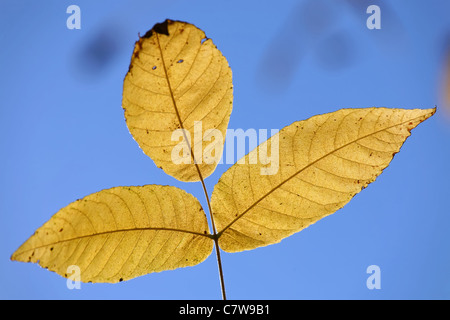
(117, 231)
(185, 137)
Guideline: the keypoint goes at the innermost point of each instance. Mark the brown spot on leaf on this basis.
(161, 28)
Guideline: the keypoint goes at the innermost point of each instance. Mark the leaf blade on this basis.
(177, 78)
(314, 165)
(122, 233)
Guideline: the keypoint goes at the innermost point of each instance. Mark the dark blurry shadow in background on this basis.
(335, 51)
(391, 36)
(314, 27)
(96, 55)
(444, 81)
(307, 22)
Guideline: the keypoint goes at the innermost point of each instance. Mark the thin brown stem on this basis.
(215, 236)
(219, 263)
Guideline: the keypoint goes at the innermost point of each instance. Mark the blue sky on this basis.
(63, 136)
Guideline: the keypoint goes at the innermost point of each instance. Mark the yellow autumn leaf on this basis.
(178, 80)
(323, 162)
(122, 233)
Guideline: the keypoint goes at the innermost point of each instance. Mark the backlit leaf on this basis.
(122, 233)
(323, 162)
(177, 76)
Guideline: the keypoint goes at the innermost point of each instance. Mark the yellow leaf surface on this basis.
(177, 76)
(122, 233)
(323, 162)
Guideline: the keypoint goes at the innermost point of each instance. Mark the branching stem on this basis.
(215, 235)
